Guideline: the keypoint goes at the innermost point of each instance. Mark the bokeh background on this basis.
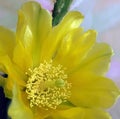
(102, 15)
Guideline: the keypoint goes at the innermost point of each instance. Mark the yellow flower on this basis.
(55, 72)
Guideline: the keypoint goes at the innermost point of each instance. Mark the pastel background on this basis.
(102, 15)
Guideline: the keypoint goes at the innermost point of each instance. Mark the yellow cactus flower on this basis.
(55, 72)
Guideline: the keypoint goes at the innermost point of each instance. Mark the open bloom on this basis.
(55, 72)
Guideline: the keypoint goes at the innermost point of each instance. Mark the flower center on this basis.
(47, 86)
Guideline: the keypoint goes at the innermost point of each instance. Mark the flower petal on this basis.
(97, 60)
(21, 104)
(21, 57)
(14, 74)
(71, 21)
(81, 113)
(90, 90)
(17, 109)
(34, 23)
(75, 47)
(96, 114)
(7, 41)
(40, 113)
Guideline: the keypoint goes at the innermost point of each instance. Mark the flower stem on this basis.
(60, 9)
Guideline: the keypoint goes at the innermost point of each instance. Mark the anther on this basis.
(47, 86)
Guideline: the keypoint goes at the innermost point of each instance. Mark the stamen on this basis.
(47, 86)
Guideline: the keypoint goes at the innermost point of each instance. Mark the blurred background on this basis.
(102, 15)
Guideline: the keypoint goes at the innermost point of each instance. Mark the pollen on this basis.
(47, 86)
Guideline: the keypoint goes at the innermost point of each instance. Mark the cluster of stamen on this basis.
(47, 86)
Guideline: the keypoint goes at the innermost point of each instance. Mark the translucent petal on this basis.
(21, 57)
(7, 41)
(2, 81)
(96, 114)
(40, 113)
(81, 113)
(34, 23)
(97, 60)
(20, 106)
(90, 90)
(17, 109)
(71, 21)
(75, 47)
(14, 74)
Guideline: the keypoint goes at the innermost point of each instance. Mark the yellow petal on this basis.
(81, 113)
(14, 73)
(96, 114)
(7, 41)
(34, 23)
(73, 113)
(20, 106)
(40, 113)
(21, 57)
(97, 60)
(17, 109)
(71, 21)
(2, 81)
(74, 48)
(90, 90)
